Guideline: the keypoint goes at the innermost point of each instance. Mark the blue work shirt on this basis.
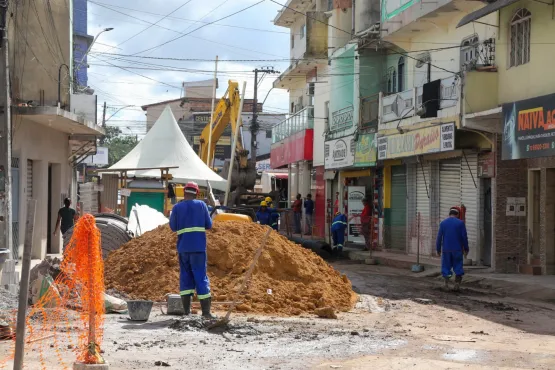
(452, 234)
(309, 206)
(264, 217)
(190, 220)
(339, 223)
(274, 215)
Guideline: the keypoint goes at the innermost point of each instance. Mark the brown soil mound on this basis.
(287, 280)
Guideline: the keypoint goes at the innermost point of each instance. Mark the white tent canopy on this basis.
(165, 146)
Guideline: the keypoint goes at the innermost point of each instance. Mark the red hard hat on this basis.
(191, 188)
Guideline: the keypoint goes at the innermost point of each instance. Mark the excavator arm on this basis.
(225, 113)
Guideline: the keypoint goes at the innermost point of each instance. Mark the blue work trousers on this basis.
(192, 274)
(452, 262)
(338, 238)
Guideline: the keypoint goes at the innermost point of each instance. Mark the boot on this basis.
(458, 281)
(186, 301)
(205, 306)
(446, 283)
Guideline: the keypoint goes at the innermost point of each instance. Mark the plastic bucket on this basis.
(139, 310)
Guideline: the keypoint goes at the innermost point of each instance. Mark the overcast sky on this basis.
(249, 35)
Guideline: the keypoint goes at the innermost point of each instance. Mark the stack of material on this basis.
(9, 279)
(288, 279)
(88, 196)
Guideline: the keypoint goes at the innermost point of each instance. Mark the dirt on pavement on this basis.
(400, 322)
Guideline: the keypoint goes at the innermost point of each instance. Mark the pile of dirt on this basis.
(288, 279)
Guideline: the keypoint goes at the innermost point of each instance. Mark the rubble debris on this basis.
(326, 313)
(499, 306)
(147, 268)
(47, 267)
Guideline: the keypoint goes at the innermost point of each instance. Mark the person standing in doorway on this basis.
(298, 214)
(309, 212)
(190, 220)
(336, 203)
(452, 247)
(66, 217)
(365, 218)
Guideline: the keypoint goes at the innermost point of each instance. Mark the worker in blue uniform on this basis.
(263, 215)
(190, 220)
(274, 213)
(338, 226)
(452, 246)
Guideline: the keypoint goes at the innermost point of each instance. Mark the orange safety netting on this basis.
(69, 316)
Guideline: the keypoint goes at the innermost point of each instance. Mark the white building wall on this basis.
(299, 47)
(44, 147)
(321, 96)
(154, 112)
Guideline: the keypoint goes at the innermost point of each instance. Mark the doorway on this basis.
(49, 230)
(486, 222)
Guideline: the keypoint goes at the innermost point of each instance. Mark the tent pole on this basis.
(234, 144)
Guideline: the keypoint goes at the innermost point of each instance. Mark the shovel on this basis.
(246, 279)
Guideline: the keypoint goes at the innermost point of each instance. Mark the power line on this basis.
(153, 24)
(198, 28)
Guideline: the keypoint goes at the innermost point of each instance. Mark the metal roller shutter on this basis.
(398, 208)
(449, 185)
(422, 190)
(470, 197)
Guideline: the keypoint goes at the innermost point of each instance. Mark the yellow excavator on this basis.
(226, 112)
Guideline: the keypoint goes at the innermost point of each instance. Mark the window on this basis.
(401, 74)
(394, 83)
(330, 5)
(292, 107)
(268, 134)
(520, 38)
(292, 39)
(303, 30)
(469, 52)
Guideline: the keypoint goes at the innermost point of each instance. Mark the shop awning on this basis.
(488, 9)
(280, 175)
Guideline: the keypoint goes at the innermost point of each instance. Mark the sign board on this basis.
(529, 128)
(125, 192)
(100, 158)
(202, 118)
(486, 165)
(263, 165)
(366, 153)
(339, 153)
(433, 139)
(354, 207)
(342, 119)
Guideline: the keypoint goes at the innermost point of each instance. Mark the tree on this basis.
(118, 144)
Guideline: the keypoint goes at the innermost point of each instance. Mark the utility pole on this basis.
(255, 127)
(104, 116)
(5, 137)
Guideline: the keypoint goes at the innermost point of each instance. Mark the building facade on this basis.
(81, 42)
(51, 131)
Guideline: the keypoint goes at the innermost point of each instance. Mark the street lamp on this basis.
(90, 47)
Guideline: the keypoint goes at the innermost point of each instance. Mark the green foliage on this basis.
(118, 144)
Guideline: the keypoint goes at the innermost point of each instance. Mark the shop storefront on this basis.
(524, 202)
(424, 176)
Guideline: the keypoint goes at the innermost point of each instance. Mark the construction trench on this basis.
(300, 312)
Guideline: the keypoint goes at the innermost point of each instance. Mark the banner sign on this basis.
(354, 207)
(434, 139)
(366, 153)
(223, 147)
(339, 153)
(529, 128)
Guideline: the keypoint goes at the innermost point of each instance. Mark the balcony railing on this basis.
(402, 104)
(302, 120)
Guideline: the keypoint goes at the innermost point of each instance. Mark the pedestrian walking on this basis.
(66, 217)
(309, 212)
(171, 193)
(452, 246)
(298, 214)
(190, 220)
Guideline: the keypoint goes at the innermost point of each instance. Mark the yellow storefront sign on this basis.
(427, 140)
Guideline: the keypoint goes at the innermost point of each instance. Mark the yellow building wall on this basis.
(535, 78)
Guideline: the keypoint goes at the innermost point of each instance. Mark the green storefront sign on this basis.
(366, 153)
(391, 8)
